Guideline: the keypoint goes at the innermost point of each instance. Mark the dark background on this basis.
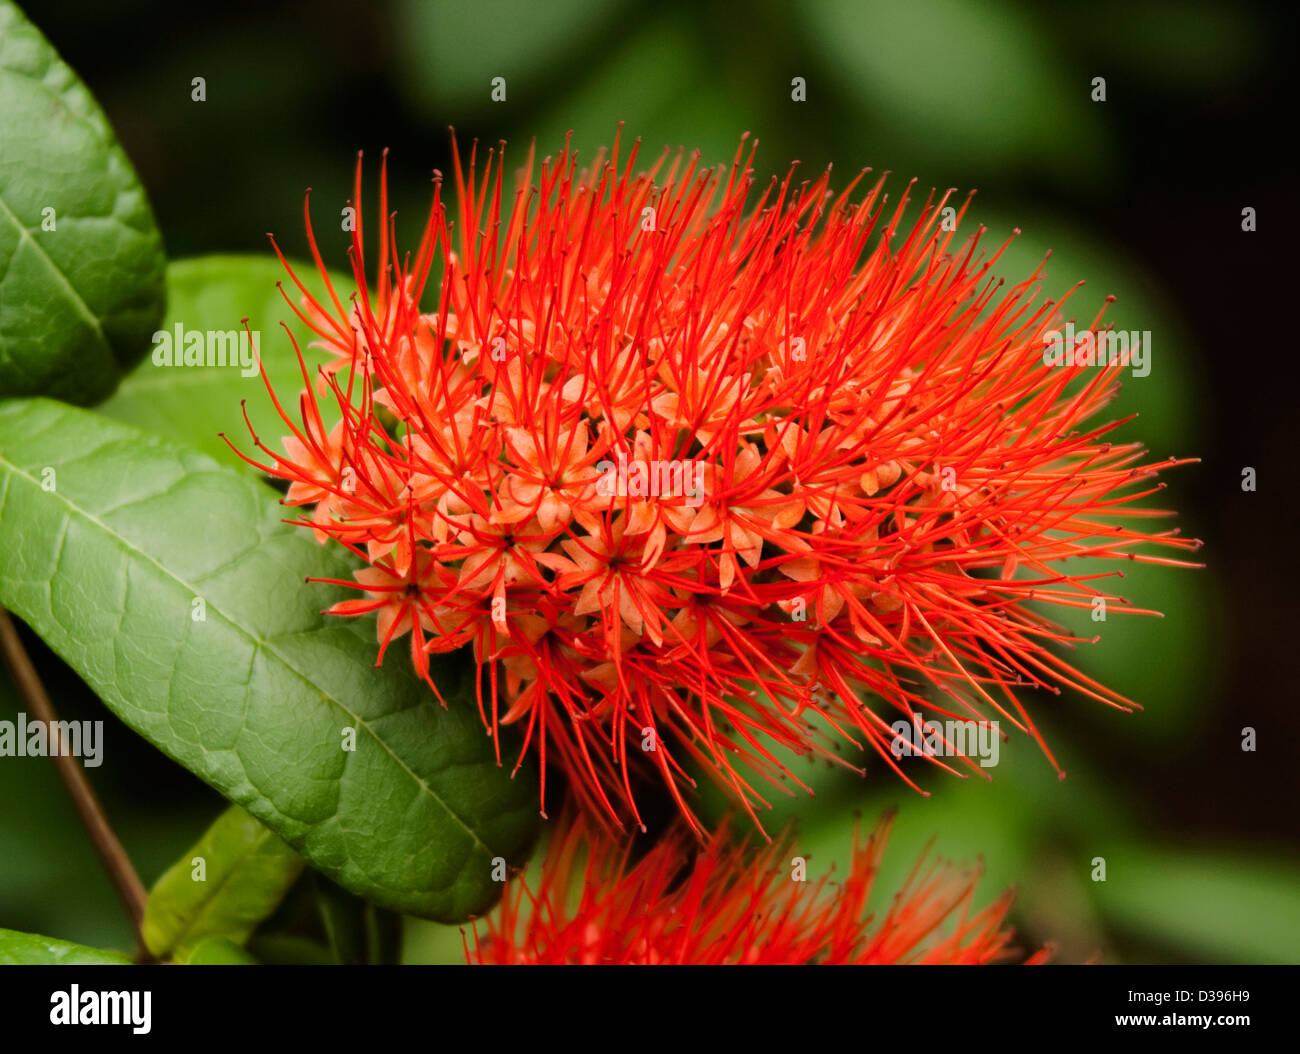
(1141, 195)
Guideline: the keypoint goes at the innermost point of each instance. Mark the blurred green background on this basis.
(1140, 195)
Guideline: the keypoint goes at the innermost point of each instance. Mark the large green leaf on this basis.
(81, 262)
(30, 949)
(196, 404)
(231, 880)
(112, 537)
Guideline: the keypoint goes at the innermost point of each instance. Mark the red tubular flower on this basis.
(709, 480)
(735, 904)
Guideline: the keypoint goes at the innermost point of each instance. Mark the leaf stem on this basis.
(130, 890)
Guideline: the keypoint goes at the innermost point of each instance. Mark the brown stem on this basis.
(126, 882)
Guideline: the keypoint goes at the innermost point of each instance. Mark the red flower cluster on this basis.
(734, 905)
(702, 478)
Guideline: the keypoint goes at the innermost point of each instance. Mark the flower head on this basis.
(735, 904)
(705, 480)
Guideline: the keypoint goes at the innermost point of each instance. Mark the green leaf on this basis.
(116, 542)
(451, 52)
(1215, 906)
(675, 104)
(219, 951)
(81, 261)
(966, 84)
(194, 404)
(231, 880)
(30, 949)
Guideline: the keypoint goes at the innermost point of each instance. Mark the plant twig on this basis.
(130, 890)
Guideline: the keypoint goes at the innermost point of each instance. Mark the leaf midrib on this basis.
(258, 642)
(205, 904)
(76, 297)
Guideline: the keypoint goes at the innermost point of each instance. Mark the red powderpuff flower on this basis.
(735, 904)
(707, 479)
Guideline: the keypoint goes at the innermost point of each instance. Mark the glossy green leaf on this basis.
(31, 949)
(172, 586)
(81, 262)
(219, 951)
(231, 880)
(195, 404)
